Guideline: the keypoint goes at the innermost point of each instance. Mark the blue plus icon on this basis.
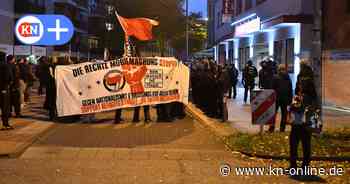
(58, 30)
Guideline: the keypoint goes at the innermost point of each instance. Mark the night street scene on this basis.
(174, 91)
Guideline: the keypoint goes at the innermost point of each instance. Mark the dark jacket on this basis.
(234, 75)
(266, 77)
(306, 86)
(283, 88)
(249, 75)
(15, 73)
(24, 72)
(6, 76)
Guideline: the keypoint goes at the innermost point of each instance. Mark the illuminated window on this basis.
(93, 43)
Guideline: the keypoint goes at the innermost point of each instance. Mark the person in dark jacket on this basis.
(5, 81)
(51, 94)
(282, 85)
(266, 75)
(15, 86)
(234, 80)
(306, 91)
(249, 74)
(42, 74)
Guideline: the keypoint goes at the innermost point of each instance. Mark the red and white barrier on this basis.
(263, 106)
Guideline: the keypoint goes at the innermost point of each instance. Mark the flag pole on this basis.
(126, 38)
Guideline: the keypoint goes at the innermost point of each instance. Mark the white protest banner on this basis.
(127, 82)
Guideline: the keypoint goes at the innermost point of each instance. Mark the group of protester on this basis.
(16, 82)
(18, 78)
(210, 82)
(211, 85)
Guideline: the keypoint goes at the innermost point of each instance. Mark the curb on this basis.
(218, 128)
(224, 132)
(23, 147)
(333, 159)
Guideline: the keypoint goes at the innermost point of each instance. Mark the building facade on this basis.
(257, 29)
(336, 53)
(6, 24)
(88, 17)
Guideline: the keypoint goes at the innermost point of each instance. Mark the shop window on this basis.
(230, 53)
(278, 49)
(241, 59)
(290, 55)
(93, 43)
(222, 54)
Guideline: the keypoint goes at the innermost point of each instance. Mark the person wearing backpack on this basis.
(249, 74)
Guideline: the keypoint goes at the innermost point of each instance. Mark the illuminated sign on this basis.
(248, 27)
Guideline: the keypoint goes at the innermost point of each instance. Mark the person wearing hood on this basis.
(282, 85)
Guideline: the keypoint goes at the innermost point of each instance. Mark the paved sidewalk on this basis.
(240, 114)
(176, 153)
(26, 130)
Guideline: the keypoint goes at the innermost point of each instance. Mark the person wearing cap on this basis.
(5, 81)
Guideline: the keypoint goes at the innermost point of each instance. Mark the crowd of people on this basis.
(18, 77)
(213, 84)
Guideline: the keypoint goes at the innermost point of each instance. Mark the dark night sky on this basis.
(198, 6)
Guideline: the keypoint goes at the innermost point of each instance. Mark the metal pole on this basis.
(187, 32)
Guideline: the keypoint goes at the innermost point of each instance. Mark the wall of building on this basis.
(336, 81)
(7, 25)
(336, 71)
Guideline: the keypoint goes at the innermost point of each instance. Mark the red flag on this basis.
(141, 28)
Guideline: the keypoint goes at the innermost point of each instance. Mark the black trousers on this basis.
(15, 101)
(163, 112)
(300, 133)
(146, 112)
(118, 116)
(246, 89)
(5, 106)
(284, 112)
(234, 87)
